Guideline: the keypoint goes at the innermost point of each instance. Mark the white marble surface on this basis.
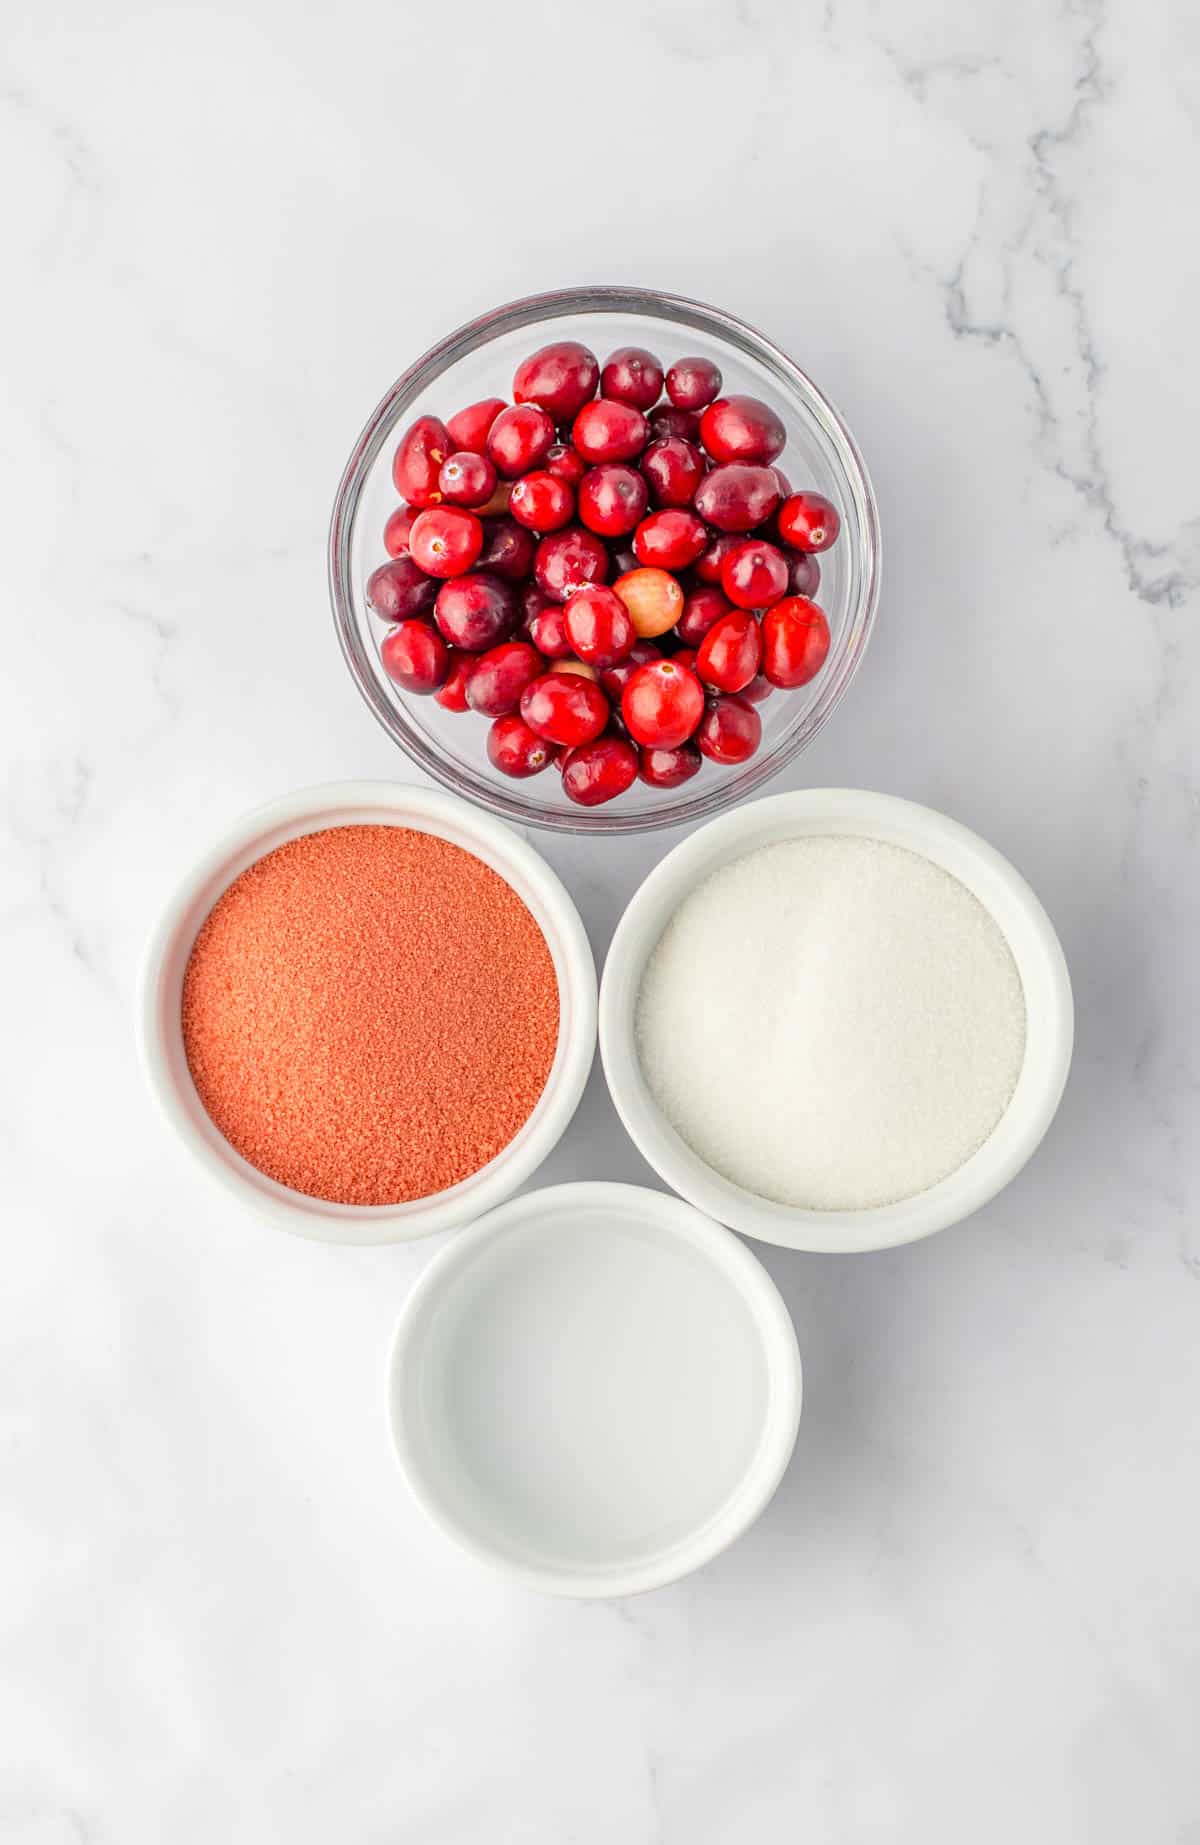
(972, 1612)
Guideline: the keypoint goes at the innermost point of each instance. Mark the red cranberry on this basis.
(541, 501)
(742, 429)
(514, 749)
(701, 609)
(735, 498)
(785, 485)
(710, 561)
(665, 420)
(685, 656)
(608, 431)
(519, 439)
(564, 459)
(754, 575)
(632, 375)
(565, 708)
(566, 560)
(395, 532)
(669, 768)
(400, 589)
(614, 679)
(624, 559)
(760, 687)
(730, 730)
(804, 574)
(674, 469)
(508, 549)
(419, 455)
(476, 611)
(452, 693)
(612, 499)
(654, 599)
(795, 638)
(577, 666)
(469, 429)
(415, 656)
(809, 522)
(546, 627)
(730, 653)
(445, 540)
(598, 626)
(466, 479)
(692, 383)
(599, 771)
(501, 675)
(662, 704)
(671, 539)
(496, 502)
(560, 377)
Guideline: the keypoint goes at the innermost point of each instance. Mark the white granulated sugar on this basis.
(832, 1023)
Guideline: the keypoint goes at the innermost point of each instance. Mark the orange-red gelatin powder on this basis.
(370, 1014)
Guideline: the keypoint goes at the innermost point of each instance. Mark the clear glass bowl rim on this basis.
(526, 312)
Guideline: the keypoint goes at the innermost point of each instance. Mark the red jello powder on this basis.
(370, 1014)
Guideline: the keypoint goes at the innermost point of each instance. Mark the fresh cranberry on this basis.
(476, 611)
(662, 704)
(632, 375)
(809, 522)
(508, 549)
(654, 599)
(560, 377)
(760, 687)
(609, 431)
(674, 469)
(415, 656)
(692, 383)
(400, 589)
(785, 485)
(701, 609)
(669, 768)
(685, 656)
(519, 439)
(417, 462)
(469, 429)
(735, 497)
(445, 540)
(730, 653)
(665, 420)
(710, 562)
(612, 499)
(546, 627)
(514, 749)
(804, 573)
(395, 532)
(565, 708)
(496, 503)
(564, 459)
(501, 675)
(466, 479)
(671, 539)
(795, 638)
(541, 501)
(754, 575)
(624, 559)
(599, 771)
(730, 730)
(742, 429)
(598, 626)
(577, 666)
(614, 679)
(452, 693)
(566, 560)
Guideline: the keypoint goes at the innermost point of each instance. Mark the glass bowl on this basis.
(478, 361)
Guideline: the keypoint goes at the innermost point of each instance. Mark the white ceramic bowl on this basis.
(596, 1389)
(363, 804)
(1003, 892)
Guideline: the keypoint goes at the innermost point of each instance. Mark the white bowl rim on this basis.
(1036, 949)
(389, 803)
(758, 1293)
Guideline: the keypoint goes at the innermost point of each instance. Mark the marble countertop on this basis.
(972, 1612)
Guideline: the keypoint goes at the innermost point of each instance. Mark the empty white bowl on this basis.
(366, 804)
(1049, 1021)
(596, 1389)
